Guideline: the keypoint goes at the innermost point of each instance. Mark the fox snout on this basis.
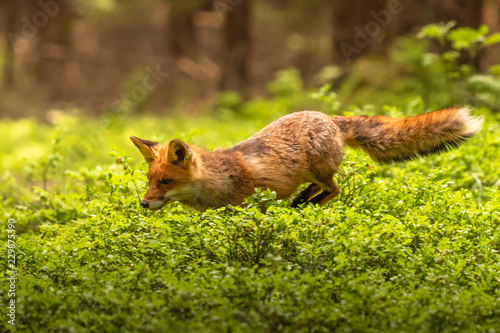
(153, 200)
(152, 204)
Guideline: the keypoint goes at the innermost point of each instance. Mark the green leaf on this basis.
(450, 55)
(484, 82)
(465, 38)
(483, 29)
(495, 69)
(492, 39)
(436, 31)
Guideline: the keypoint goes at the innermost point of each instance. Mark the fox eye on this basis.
(165, 181)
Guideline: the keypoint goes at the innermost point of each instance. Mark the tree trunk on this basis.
(237, 44)
(11, 13)
(359, 28)
(464, 12)
(54, 47)
(181, 36)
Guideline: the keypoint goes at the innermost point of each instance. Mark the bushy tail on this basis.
(394, 140)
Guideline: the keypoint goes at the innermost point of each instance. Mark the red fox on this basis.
(301, 147)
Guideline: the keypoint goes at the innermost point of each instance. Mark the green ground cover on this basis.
(404, 248)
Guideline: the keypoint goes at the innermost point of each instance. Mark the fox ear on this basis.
(179, 154)
(145, 147)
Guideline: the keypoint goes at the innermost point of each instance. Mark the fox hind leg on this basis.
(330, 191)
(306, 195)
(310, 194)
(322, 168)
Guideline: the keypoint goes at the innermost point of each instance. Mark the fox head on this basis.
(170, 172)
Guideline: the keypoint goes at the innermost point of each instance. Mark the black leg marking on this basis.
(306, 195)
(319, 198)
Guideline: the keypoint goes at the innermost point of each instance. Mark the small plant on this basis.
(471, 42)
(324, 94)
(47, 166)
(263, 199)
(353, 180)
(123, 159)
(286, 83)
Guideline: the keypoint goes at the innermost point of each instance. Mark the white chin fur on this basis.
(155, 204)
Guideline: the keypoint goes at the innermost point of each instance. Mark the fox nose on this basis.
(144, 204)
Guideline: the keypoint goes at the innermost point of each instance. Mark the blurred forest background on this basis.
(94, 54)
